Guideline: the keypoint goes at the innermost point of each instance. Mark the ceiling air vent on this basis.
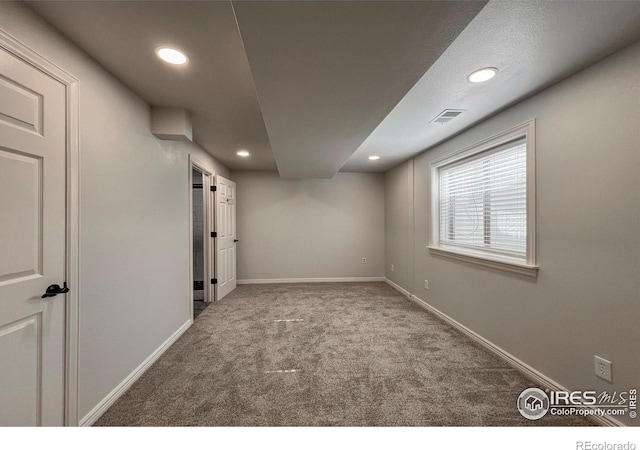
(447, 115)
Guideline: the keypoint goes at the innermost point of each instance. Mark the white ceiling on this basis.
(534, 44)
(306, 86)
(216, 85)
(327, 73)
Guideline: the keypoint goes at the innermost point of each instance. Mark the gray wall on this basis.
(314, 228)
(585, 299)
(134, 218)
(398, 216)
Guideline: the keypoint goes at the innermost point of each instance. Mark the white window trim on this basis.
(530, 267)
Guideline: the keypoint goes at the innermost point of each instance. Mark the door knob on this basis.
(55, 289)
(236, 240)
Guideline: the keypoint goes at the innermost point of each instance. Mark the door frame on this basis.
(209, 259)
(72, 244)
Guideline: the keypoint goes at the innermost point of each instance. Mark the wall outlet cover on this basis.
(602, 368)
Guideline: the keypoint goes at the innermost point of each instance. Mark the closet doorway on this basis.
(202, 248)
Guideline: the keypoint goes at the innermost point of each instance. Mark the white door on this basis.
(226, 232)
(32, 244)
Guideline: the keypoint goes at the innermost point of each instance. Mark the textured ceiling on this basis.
(534, 44)
(311, 88)
(327, 73)
(216, 85)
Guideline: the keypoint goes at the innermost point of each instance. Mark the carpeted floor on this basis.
(330, 354)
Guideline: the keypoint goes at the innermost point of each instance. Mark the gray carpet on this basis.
(359, 354)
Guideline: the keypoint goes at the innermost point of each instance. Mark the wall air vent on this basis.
(447, 115)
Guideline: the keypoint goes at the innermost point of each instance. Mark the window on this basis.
(483, 205)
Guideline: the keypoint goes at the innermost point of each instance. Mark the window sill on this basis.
(508, 266)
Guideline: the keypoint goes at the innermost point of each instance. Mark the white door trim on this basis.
(31, 57)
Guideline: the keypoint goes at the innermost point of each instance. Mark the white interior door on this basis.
(32, 244)
(226, 231)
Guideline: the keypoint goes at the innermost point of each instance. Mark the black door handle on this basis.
(55, 289)
(236, 240)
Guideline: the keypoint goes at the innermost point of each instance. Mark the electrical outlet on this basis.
(364, 260)
(426, 284)
(393, 267)
(602, 368)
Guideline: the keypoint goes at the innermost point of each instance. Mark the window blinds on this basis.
(483, 202)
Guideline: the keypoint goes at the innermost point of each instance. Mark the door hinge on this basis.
(214, 234)
(213, 189)
(214, 281)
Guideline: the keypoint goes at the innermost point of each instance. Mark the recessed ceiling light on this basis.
(243, 153)
(482, 75)
(374, 158)
(171, 55)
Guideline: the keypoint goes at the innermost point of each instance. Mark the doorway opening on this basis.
(198, 243)
(202, 263)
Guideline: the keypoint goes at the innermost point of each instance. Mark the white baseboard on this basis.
(402, 290)
(115, 394)
(529, 372)
(310, 280)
